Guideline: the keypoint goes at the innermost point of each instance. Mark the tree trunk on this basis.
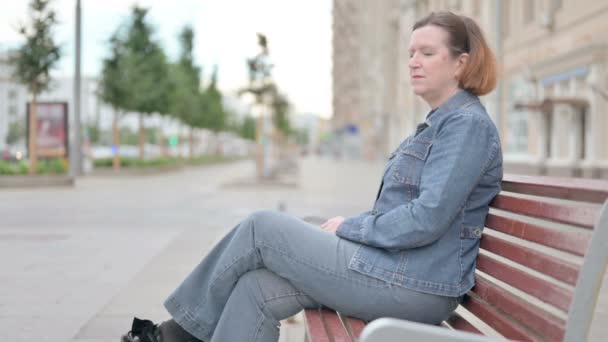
(142, 136)
(259, 147)
(32, 139)
(116, 142)
(191, 143)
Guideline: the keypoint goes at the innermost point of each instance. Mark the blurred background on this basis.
(134, 134)
(328, 77)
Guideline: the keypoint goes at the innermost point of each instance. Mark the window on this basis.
(520, 92)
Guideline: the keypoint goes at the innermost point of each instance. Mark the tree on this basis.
(247, 129)
(214, 108)
(186, 101)
(34, 61)
(215, 116)
(146, 72)
(114, 89)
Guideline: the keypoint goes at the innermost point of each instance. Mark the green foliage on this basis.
(215, 116)
(138, 163)
(262, 86)
(94, 133)
(146, 71)
(113, 84)
(248, 126)
(8, 168)
(184, 83)
(50, 166)
(16, 131)
(162, 162)
(39, 54)
(135, 77)
(280, 113)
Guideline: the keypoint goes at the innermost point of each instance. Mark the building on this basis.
(12, 99)
(551, 99)
(364, 77)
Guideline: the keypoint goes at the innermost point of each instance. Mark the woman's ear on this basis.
(461, 64)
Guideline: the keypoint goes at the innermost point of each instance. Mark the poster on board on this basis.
(52, 129)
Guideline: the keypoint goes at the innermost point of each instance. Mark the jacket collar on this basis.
(459, 100)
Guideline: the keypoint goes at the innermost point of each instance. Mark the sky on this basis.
(299, 36)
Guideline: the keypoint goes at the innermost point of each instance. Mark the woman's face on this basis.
(433, 71)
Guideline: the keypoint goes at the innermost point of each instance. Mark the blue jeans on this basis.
(271, 266)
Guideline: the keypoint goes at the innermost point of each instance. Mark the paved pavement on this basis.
(78, 263)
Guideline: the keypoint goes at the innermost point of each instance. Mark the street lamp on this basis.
(76, 146)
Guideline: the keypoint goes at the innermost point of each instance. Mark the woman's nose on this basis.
(413, 62)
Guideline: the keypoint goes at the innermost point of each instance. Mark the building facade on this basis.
(551, 99)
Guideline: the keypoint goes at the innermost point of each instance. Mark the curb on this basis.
(23, 181)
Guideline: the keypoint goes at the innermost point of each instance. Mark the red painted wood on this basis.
(541, 289)
(334, 326)
(582, 216)
(546, 264)
(575, 243)
(586, 190)
(356, 326)
(541, 321)
(459, 323)
(506, 327)
(315, 326)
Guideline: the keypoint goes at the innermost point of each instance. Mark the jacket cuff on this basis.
(352, 228)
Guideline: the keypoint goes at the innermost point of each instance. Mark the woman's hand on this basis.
(332, 224)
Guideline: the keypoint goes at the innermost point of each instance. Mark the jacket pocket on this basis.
(409, 164)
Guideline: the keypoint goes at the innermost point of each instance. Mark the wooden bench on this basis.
(542, 259)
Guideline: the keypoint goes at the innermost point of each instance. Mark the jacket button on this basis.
(374, 212)
(477, 232)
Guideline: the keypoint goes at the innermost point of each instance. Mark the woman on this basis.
(411, 257)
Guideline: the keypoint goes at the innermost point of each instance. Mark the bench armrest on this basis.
(396, 330)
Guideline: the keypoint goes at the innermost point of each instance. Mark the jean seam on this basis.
(234, 261)
(258, 327)
(188, 316)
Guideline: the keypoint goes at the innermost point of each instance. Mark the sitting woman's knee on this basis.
(263, 217)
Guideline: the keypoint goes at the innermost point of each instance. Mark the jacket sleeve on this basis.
(462, 149)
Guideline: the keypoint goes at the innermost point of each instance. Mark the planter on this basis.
(136, 171)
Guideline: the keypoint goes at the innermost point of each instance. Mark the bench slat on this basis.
(352, 325)
(505, 326)
(563, 241)
(539, 288)
(459, 323)
(580, 216)
(334, 326)
(315, 326)
(586, 190)
(541, 262)
(531, 316)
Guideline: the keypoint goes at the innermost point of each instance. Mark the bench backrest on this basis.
(542, 258)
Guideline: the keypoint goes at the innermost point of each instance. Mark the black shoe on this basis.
(142, 331)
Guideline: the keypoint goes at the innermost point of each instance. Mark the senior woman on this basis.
(412, 256)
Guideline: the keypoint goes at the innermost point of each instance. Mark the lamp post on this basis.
(76, 146)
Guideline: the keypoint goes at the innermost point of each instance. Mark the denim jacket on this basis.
(423, 232)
